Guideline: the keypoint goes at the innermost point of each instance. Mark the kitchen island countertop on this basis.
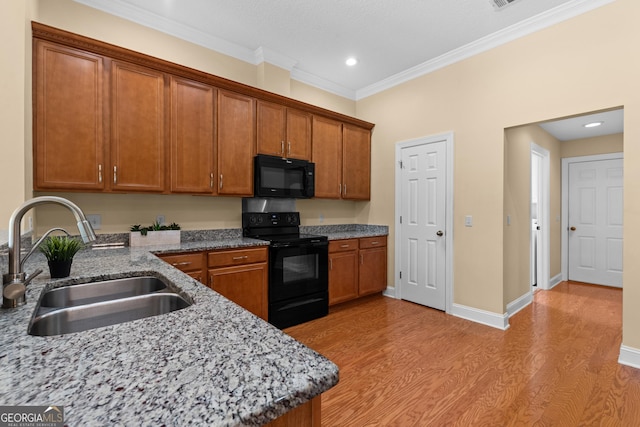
(212, 363)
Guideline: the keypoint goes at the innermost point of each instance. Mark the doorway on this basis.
(593, 220)
(540, 217)
(424, 221)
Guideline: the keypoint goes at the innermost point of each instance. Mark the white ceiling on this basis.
(573, 127)
(394, 41)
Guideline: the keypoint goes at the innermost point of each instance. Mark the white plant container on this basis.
(155, 238)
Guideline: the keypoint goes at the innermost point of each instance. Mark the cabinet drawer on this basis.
(236, 257)
(343, 245)
(185, 262)
(373, 242)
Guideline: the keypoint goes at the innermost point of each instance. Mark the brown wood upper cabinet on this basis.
(283, 131)
(236, 143)
(342, 154)
(192, 137)
(137, 128)
(68, 117)
(109, 119)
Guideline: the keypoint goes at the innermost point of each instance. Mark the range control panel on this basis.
(270, 219)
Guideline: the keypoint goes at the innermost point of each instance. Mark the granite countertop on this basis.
(212, 363)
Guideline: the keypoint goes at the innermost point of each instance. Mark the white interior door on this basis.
(595, 222)
(423, 224)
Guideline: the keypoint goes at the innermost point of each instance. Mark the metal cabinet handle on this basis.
(375, 243)
(344, 246)
(211, 180)
(289, 148)
(100, 174)
(115, 174)
(281, 147)
(176, 264)
(439, 233)
(361, 259)
(238, 258)
(344, 187)
(220, 180)
(340, 188)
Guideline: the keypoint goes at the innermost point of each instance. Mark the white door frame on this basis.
(565, 201)
(448, 234)
(544, 222)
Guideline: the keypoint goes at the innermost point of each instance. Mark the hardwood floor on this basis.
(403, 364)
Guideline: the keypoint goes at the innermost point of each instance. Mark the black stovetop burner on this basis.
(279, 227)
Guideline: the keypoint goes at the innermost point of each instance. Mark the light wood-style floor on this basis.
(403, 364)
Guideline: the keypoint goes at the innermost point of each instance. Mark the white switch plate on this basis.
(508, 219)
(95, 220)
(468, 221)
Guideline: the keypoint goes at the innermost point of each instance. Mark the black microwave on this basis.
(280, 177)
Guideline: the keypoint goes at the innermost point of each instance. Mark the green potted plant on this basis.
(155, 234)
(59, 251)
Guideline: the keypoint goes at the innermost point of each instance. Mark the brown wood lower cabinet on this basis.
(189, 263)
(357, 267)
(241, 275)
(307, 414)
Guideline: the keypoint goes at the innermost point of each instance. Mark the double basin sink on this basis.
(80, 307)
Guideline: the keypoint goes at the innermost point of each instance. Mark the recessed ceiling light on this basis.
(593, 124)
(351, 61)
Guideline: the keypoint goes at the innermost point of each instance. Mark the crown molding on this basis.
(263, 54)
(546, 19)
(320, 83)
(164, 25)
(529, 26)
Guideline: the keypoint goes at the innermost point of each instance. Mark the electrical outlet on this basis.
(160, 219)
(468, 221)
(95, 220)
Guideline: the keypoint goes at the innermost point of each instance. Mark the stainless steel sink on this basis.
(89, 293)
(81, 307)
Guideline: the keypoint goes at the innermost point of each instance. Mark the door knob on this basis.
(439, 233)
(572, 229)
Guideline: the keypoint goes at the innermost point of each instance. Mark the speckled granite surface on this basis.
(346, 231)
(212, 363)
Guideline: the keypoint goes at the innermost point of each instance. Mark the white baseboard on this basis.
(481, 316)
(629, 356)
(515, 306)
(555, 280)
(390, 292)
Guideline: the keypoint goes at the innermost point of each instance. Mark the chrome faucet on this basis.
(15, 281)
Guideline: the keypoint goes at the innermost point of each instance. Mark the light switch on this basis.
(468, 221)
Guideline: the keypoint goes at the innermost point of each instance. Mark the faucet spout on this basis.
(15, 274)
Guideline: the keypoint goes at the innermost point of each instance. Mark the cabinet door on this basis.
(236, 143)
(298, 143)
(326, 153)
(271, 128)
(68, 119)
(137, 128)
(343, 276)
(192, 136)
(246, 285)
(372, 270)
(356, 165)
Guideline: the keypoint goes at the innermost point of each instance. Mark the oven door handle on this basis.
(299, 303)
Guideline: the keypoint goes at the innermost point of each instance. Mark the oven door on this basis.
(297, 270)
